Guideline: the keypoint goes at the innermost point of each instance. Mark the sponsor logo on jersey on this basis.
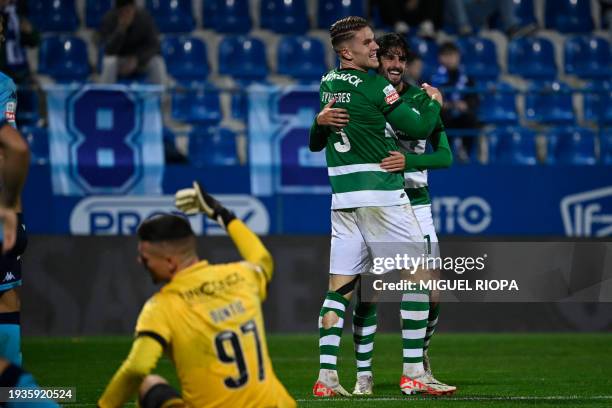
(391, 94)
(9, 113)
(453, 214)
(350, 78)
(588, 213)
(9, 277)
(104, 215)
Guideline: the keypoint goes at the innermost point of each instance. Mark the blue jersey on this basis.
(8, 99)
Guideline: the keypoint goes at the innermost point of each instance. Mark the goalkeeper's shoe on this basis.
(422, 385)
(364, 385)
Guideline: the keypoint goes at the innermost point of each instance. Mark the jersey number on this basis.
(345, 145)
(237, 356)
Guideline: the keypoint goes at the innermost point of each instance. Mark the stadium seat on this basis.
(525, 12)
(571, 145)
(598, 102)
(301, 57)
(479, 56)
(38, 139)
(212, 145)
(243, 58)
(513, 145)
(186, 58)
(196, 104)
(569, 16)
(549, 102)
(27, 106)
(498, 104)
(227, 16)
(428, 51)
(532, 58)
(174, 16)
(64, 58)
(95, 11)
(284, 16)
(329, 11)
(588, 57)
(605, 143)
(53, 15)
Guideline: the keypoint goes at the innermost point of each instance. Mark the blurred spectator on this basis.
(460, 102)
(606, 13)
(469, 16)
(18, 34)
(404, 14)
(413, 74)
(131, 44)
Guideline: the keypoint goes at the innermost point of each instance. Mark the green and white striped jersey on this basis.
(415, 180)
(354, 153)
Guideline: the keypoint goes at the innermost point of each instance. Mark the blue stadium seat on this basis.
(571, 145)
(54, 15)
(197, 104)
(27, 106)
(479, 56)
(174, 16)
(243, 58)
(186, 58)
(38, 139)
(498, 104)
(212, 145)
(525, 11)
(532, 58)
(598, 102)
(284, 16)
(605, 144)
(569, 16)
(329, 11)
(227, 16)
(512, 145)
(588, 57)
(549, 102)
(301, 57)
(64, 58)
(95, 11)
(428, 51)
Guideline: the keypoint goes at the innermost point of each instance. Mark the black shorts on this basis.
(162, 396)
(10, 263)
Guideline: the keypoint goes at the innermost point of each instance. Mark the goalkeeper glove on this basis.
(195, 200)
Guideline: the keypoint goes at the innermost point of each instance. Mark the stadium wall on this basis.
(93, 285)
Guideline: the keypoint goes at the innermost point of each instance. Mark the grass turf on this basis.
(490, 370)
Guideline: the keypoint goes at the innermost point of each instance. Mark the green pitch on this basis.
(490, 370)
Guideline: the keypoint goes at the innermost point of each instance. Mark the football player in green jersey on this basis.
(419, 310)
(369, 204)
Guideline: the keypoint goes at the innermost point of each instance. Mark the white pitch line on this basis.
(451, 398)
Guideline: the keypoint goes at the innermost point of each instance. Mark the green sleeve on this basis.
(317, 137)
(441, 157)
(415, 124)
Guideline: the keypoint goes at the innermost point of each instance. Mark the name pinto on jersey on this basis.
(340, 97)
(350, 78)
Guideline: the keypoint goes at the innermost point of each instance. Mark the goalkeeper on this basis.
(206, 317)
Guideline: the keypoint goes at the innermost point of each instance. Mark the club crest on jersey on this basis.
(391, 94)
(9, 113)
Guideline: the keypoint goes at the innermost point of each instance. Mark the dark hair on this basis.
(164, 227)
(447, 48)
(123, 3)
(345, 28)
(390, 41)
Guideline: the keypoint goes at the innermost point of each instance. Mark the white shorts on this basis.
(425, 219)
(362, 234)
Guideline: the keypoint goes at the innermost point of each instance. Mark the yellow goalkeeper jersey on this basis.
(208, 319)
